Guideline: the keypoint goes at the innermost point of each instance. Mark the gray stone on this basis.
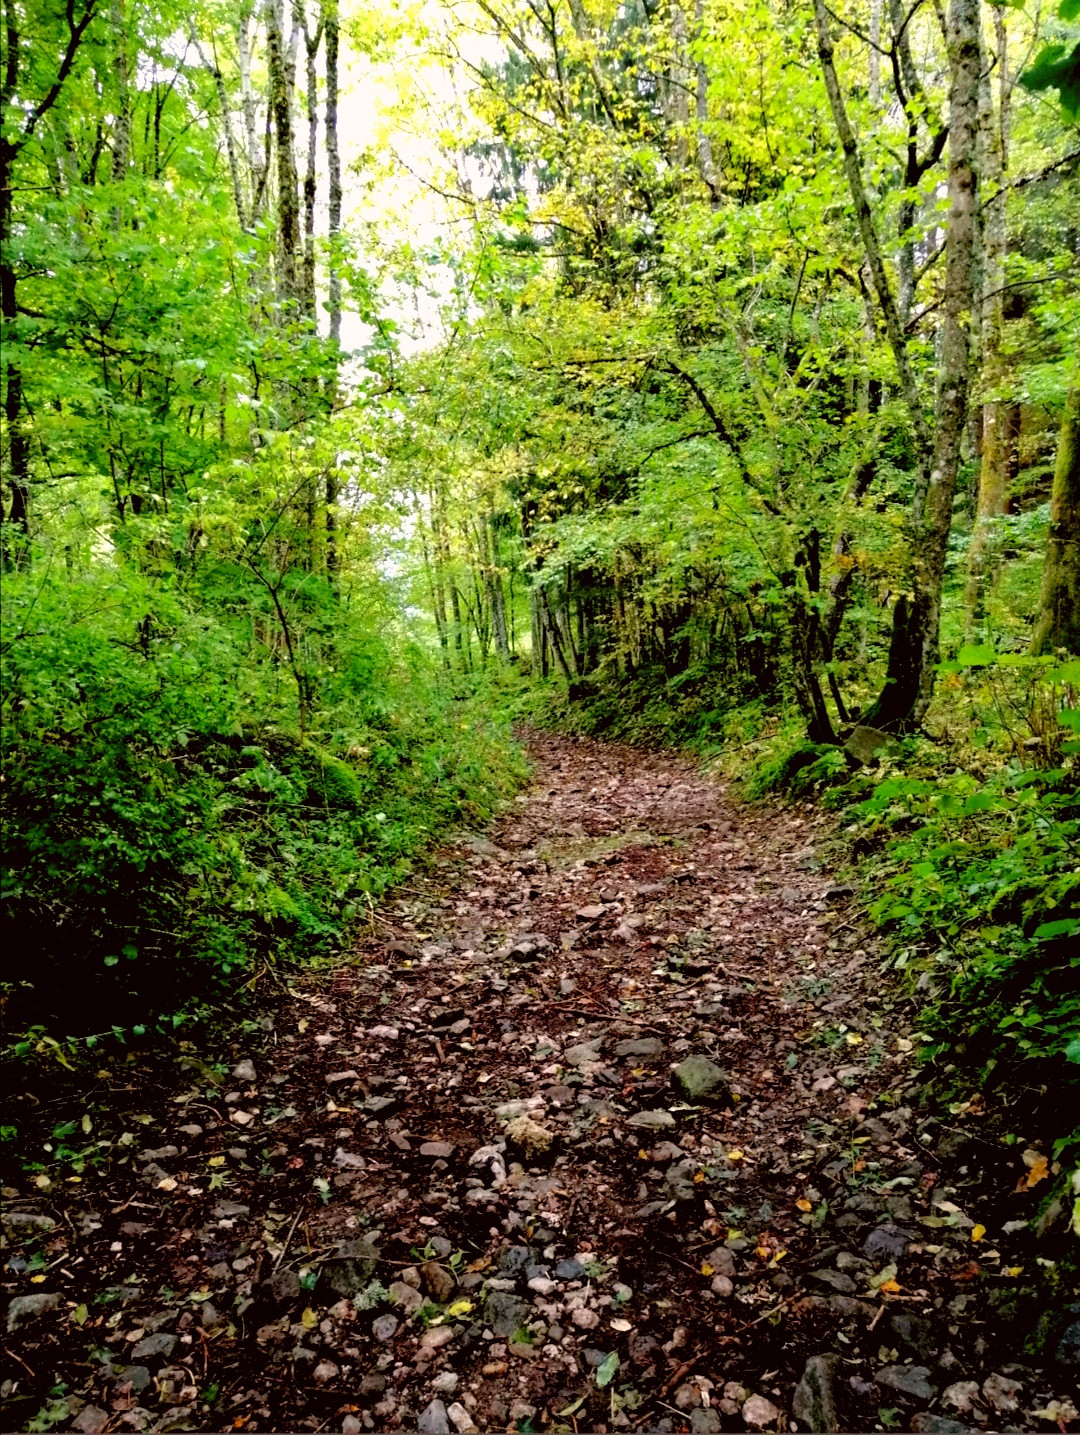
(679, 1184)
(814, 1403)
(569, 1270)
(652, 1120)
(434, 1420)
(244, 1070)
(284, 1286)
(506, 1313)
(722, 1261)
(437, 1150)
(938, 1425)
(705, 1422)
(641, 1046)
(700, 1079)
(27, 1221)
(406, 1296)
(1067, 1352)
(137, 1376)
(866, 742)
(913, 1380)
(30, 1307)
(162, 1344)
(837, 1279)
(584, 1051)
(158, 1153)
(351, 1267)
(384, 1327)
(887, 1243)
(91, 1420)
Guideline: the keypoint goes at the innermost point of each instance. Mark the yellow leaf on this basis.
(1038, 1168)
(735, 1155)
(891, 1286)
(643, 1155)
(80, 1314)
(762, 1252)
(700, 1176)
(977, 1232)
(87, 1125)
(706, 1269)
(36, 1280)
(302, 1024)
(1015, 1270)
(802, 1204)
(309, 1320)
(216, 1161)
(853, 1039)
(779, 1256)
(459, 1307)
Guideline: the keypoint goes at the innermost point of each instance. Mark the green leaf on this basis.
(976, 655)
(605, 1371)
(1055, 68)
(1063, 928)
(1069, 10)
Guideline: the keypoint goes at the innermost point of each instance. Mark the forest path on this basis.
(361, 1228)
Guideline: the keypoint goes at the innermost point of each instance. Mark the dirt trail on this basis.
(607, 1127)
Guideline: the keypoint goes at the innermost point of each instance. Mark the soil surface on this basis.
(608, 1123)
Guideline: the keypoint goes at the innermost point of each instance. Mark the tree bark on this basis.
(1058, 622)
(333, 167)
(288, 207)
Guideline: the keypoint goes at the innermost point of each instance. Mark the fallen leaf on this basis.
(977, 1232)
(309, 1320)
(622, 1325)
(890, 1286)
(167, 1185)
(802, 1204)
(736, 1155)
(1038, 1170)
(80, 1314)
(853, 1039)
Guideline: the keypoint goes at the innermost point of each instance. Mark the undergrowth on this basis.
(170, 834)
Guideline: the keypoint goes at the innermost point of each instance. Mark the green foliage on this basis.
(168, 832)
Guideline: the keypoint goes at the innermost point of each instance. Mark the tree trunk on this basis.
(287, 201)
(914, 652)
(1058, 622)
(333, 167)
(998, 428)
(311, 50)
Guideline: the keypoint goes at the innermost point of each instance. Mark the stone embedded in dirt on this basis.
(569, 1270)
(380, 1105)
(814, 1403)
(1001, 1392)
(438, 1281)
(722, 1286)
(591, 913)
(406, 1296)
(506, 1313)
(640, 1046)
(938, 1425)
(384, 1033)
(700, 1079)
(161, 1344)
(324, 1372)
(584, 1318)
(651, 1120)
(26, 1221)
(837, 1279)
(159, 1153)
(244, 1070)
(759, 1412)
(230, 1211)
(434, 1420)
(866, 742)
(841, 890)
(435, 1338)
(348, 1160)
(532, 1138)
(384, 1327)
(721, 1260)
(961, 1396)
(351, 1267)
(334, 1078)
(584, 1051)
(30, 1307)
(91, 1420)
(887, 1243)
(461, 1419)
(679, 1181)
(705, 1422)
(437, 1150)
(510, 1110)
(284, 1286)
(441, 1018)
(913, 1380)
(1067, 1352)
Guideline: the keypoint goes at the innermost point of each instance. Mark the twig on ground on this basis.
(288, 1238)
